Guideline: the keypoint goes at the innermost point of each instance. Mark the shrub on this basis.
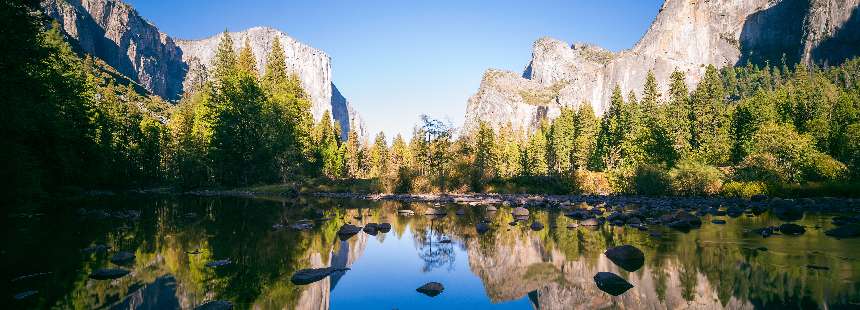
(591, 182)
(690, 178)
(744, 189)
(651, 180)
(762, 167)
(821, 167)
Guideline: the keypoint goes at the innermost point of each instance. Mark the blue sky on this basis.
(395, 60)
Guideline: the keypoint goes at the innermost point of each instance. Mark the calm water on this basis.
(511, 267)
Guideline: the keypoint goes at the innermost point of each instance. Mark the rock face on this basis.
(685, 35)
(116, 33)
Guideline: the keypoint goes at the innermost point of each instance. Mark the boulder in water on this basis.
(215, 305)
(122, 258)
(218, 263)
(308, 276)
(347, 230)
(371, 229)
(844, 231)
(108, 273)
(589, 222)
(791, 229)
(431, 289)
(520, 211)
(611, 283)
(482, 228)
(626, 256)
(384, 227)
(536, 226)
(719, 222)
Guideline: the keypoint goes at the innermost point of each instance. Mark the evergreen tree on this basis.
(535, 154)
(379, 159)
(246, 62)
(484, 157)
(677, 114)
(585, 130)
(224, 62)
(561, 143)
(352, 156)
(710, 120)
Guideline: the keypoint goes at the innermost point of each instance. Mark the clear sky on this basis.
(395, 60)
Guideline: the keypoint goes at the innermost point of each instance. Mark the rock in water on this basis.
(482, 228)
(108, 273)
(431, 289)
(308, 276)
(718, 222)
(122, 258)
(491, 209)
(611, 283)
(461, 212)
(791, 229)
(218, 263)
(520, 211)
(384, 227)
(215, 305)
(626, 256)
(436, 212)
(347, 230)
(845, 231)
(24, 295)
(536, 226)
(589, 222)
(371, 229)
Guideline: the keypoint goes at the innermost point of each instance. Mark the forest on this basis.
(73, 123)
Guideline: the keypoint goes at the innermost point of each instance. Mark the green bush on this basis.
(651, 181)
(762, 167)
(821, 167)
(691, 178)
(744, 189)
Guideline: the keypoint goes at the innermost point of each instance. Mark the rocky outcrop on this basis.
(685, 36)
(116, 33)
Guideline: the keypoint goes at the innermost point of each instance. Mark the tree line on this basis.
(741, 131)
(73, 122)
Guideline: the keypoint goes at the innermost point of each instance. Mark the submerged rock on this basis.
(482, 228)
(215, 305)
(718, 222)
(491, 209)
(611, 283)
(461, 212)
(308, 276)
(98, 248)
(108, 273)
(431, 289)
(572, 225)
(536, 226)
(626, 256)
(122, 258)
(384, 227)
(347, 230)
(24, 294)
(218, 263)
(436, 212)
(845, 231)
(791, 229)
(764, 231)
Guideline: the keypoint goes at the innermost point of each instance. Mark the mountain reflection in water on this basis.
(716, 266)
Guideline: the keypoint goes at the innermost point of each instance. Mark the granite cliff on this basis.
(114, 32)
(685, 35)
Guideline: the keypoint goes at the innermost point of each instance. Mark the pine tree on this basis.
(585, 130)
(379, 159)
(709, 120)
(535, 154)
(561, 142)
(484, 157)
(678, 113)
(247, 63)
(224, 62)
(352, 156)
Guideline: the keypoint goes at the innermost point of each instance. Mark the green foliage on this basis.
(709, 120)
(691, 178)
(795, 154)
(651, 180)
(744, 189)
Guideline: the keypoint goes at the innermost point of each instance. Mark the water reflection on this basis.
(173, 238)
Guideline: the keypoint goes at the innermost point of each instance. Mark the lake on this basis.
(189, 250)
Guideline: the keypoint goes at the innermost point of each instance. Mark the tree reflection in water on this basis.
(433, 252)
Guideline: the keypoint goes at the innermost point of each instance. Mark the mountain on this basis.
(686, 35)
(114, 32)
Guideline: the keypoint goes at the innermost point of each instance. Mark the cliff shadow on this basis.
(340, 112)
(844, 44)
(769, 34)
